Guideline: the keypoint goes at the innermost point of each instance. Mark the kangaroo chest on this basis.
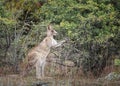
(54, 42)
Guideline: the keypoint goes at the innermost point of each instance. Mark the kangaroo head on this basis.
(50, 31)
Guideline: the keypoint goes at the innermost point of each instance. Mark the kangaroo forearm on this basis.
(59, 43)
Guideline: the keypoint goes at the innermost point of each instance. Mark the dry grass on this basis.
(61, 76)
(14, 80)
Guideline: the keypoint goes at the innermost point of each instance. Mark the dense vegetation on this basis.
(92, 26)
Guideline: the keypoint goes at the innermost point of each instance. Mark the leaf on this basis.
(117, 62)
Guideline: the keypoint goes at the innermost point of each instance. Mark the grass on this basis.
(61, 76)
(14, 80)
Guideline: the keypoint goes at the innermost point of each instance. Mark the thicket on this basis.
(93, 27)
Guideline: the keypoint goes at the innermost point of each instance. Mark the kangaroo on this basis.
(36, 57)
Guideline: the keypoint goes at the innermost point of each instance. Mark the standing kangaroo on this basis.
(36, 57)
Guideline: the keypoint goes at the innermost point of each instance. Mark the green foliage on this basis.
(93, 27)
(117, 62)
(90, 19)
(91, 24)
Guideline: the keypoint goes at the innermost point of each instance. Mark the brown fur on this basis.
(36, 57)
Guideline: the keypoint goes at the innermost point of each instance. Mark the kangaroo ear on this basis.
(49, 27)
